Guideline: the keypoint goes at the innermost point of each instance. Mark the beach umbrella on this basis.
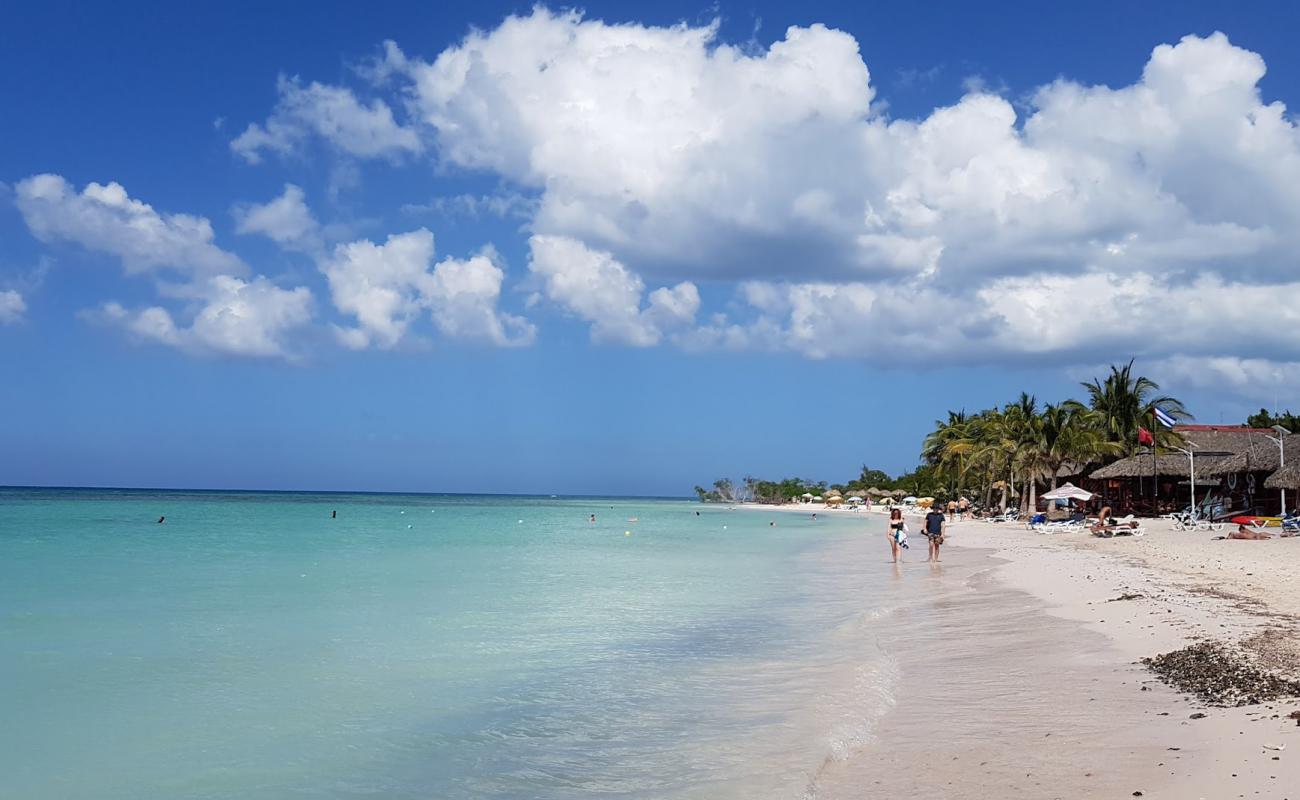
(834, 501)
(1067, 492)
(817, 497)
(833, 493)
(909, 499)
(807, 495)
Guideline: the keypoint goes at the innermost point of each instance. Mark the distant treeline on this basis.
(1011, 451)
(758, 490)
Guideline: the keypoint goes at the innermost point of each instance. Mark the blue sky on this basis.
(626, 250)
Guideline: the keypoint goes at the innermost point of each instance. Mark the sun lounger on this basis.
(1062, 526)
(1111, 531)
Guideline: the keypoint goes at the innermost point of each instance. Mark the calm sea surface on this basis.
(429, 646)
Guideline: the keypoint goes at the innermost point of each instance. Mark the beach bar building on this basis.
(1233, 466)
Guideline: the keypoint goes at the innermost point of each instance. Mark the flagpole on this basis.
(1154, 485)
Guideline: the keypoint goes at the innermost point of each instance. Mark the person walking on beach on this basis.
(935, 523)
(897, 538)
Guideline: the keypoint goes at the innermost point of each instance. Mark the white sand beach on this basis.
(1023, 677)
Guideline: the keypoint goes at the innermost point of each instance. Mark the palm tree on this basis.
(946, 447)
(1124, 403)
(1062, 433)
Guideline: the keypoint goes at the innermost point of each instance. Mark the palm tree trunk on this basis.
(1033, 498)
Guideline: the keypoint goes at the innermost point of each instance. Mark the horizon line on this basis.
(544, 496)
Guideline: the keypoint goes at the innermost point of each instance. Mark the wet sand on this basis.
(1020, 671)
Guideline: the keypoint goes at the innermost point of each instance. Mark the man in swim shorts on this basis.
(935, 523)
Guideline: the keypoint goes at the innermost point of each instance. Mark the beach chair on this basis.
(1112, 531)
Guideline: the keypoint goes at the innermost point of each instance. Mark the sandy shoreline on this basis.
(1055, 607)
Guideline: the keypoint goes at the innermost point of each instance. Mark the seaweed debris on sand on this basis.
(1220, 676)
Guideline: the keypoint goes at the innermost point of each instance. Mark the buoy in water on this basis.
(627, 533)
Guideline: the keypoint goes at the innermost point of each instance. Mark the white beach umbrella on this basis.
(1067, 492)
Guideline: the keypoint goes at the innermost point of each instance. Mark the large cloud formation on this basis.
(1158, 218)
(1143, 218)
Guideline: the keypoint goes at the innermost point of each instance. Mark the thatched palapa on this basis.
(1219, 451)
(1288, 477)
(1174, 465)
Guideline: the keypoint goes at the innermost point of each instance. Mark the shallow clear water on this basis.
(427, 646)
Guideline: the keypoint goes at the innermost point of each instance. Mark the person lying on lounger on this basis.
(1245, 532)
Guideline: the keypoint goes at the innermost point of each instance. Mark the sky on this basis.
(627, 248)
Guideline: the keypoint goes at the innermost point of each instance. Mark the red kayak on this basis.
(1258, 522)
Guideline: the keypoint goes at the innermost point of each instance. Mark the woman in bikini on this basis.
(895, 527)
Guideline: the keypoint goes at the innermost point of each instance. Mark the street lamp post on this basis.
(1280, 440)
(1191, 473)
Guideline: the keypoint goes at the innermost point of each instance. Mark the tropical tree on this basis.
(1125, 402)
(947, 449)
(1060, 434)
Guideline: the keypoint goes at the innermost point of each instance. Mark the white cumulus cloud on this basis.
(595, 287)
(386, 287)
(105, 218)
(226, 312)
(331, 113)
(233, 317)
(286, 220)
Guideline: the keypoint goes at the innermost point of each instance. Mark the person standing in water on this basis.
(895, 533)
(935, 523)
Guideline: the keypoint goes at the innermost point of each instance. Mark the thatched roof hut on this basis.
(1262, 455)
(1287, 477)
(1166, 464)
(1220, 450)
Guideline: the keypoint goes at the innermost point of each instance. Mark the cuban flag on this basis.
(1162, 417)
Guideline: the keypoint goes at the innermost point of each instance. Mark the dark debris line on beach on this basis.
(1219, 676)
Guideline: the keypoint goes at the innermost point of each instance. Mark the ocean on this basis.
(428, 646)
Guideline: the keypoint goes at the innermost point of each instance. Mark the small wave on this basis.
(871, 696)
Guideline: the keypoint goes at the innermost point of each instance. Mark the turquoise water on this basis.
(426, 646)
